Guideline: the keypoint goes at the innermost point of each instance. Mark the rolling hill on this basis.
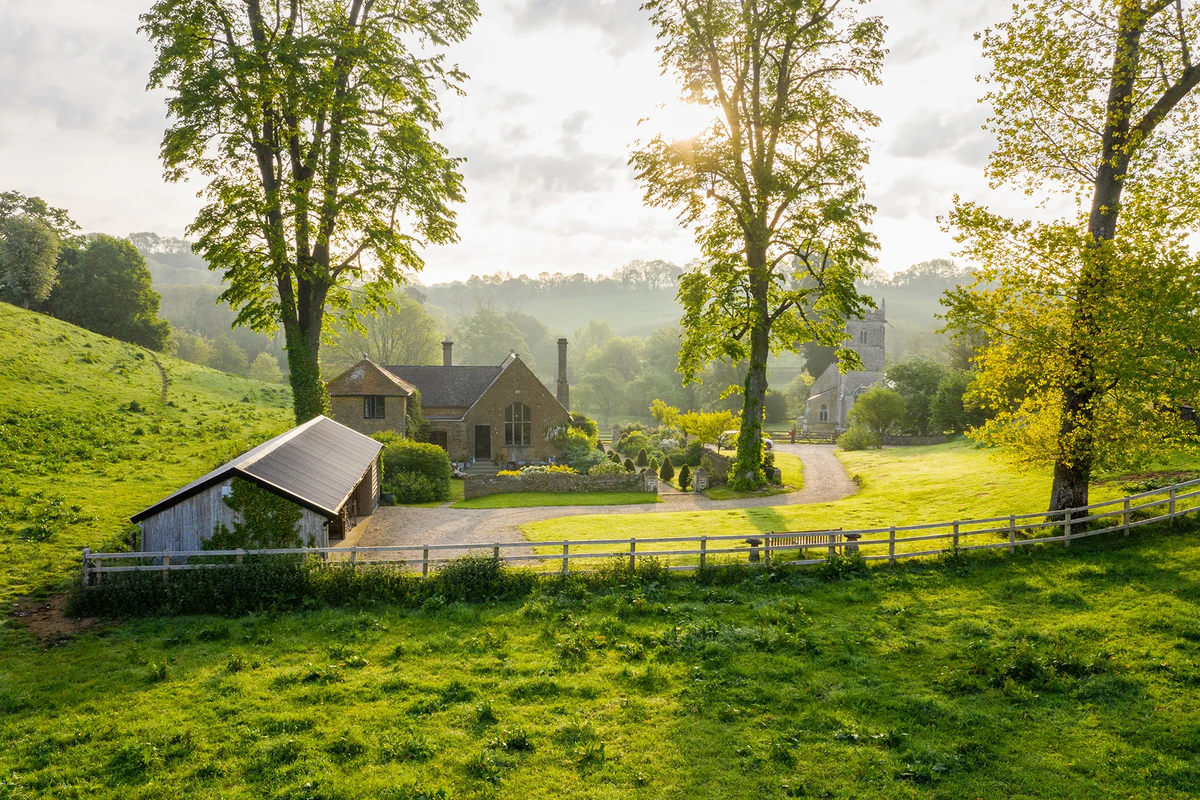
(93, 429)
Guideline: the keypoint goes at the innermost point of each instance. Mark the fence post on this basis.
(496, 552)
(166, 566)
(892, 546)
(767, 549)
(1067, 528)
(565, 563)
(1012, 534)
(87, 552)
(240, 557)
(632, 555)
(703, 550)
(425, 562)
(1172, 505)
(956, 536)
(353, 558)
(1126, 516)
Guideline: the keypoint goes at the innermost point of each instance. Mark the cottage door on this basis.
(483, 441)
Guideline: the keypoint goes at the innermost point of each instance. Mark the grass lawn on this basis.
(900, 486)
(792, 469)
(538, 499)
(87, 439)
(1057, 673)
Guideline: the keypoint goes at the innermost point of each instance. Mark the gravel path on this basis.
(825, 480)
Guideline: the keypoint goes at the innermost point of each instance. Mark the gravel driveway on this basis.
(825, 480)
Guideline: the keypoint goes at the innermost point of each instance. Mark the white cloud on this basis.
(556, 90)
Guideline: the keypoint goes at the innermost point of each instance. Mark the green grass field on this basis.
(542, 499)
(904, 486)
(1052, 674)
(87, 439)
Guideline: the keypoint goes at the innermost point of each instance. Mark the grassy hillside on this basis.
(1057, 673)
(92, 431)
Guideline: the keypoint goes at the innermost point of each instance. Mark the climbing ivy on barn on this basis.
(267, 521)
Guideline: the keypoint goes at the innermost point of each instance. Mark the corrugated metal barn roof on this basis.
(316, 465)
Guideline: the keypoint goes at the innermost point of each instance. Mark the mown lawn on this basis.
(900, 486)
(539, 499)
(1052, 674)
(87, 439)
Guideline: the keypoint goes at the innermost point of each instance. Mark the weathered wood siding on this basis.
(188, 523)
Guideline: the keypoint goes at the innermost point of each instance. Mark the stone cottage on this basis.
(496, 414)
(833, 394)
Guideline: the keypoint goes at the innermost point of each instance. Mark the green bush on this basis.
(607, 468)
(413, 469)
(685, 477)
(642, 459)
(859, 437)
(629, 465)
(413, 487)
(586, 424)
(666, 471)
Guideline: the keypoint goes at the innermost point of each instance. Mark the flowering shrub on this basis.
(509, 473)
(549, 469)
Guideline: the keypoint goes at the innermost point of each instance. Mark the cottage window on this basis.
(518, 426)
(373, 407)
(862, 336)
(823, 413)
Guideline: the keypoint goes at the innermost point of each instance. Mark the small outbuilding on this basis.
(330, 471)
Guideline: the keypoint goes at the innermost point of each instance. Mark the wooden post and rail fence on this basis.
(889, 544)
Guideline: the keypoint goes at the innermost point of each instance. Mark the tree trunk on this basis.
(1076, 437)
(748, 469)
(303, 343)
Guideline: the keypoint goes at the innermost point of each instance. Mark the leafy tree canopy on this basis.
(28, 254)
(312, 123)
(772, 187)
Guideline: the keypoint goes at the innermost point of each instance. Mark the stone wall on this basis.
(482, 485)
(517, 384)
(348, 410)
(718, 466)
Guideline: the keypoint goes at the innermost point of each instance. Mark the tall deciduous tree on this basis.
(1091, 326)
(313, 123)
(403, 333)
(772, 187)
(57, 219)
(106, 288)
(28, 253)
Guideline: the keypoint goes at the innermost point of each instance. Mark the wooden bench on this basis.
(831, 538)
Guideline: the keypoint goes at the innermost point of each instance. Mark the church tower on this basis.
(867, 337)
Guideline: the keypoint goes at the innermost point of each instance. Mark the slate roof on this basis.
(316, 465)
(449, 387)
(368, 378)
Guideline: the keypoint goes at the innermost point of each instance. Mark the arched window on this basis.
(862, 336)
(823, 413)
(859, 392)
(518, 426)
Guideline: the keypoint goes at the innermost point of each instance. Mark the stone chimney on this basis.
(447, 359)
(564, 391)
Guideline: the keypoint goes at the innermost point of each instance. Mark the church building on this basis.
(833, 394)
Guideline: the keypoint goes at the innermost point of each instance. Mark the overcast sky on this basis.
(557, 88)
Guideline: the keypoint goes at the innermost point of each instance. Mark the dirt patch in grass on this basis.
(46, 619)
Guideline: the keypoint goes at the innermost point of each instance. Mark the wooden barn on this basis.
(330, 471)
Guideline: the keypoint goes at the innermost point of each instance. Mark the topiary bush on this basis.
(629, 465)
(666, 471)
(642, 459)
(685, 477)
(859, 437)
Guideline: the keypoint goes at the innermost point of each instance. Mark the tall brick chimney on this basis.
(447, 359)
(564, 391)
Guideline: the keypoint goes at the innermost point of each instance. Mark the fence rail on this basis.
(779, 547)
